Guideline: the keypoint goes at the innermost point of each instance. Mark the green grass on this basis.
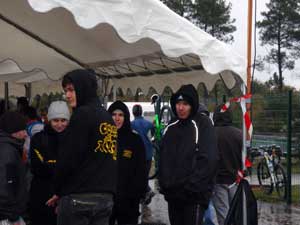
(272, 198)
(295, 165)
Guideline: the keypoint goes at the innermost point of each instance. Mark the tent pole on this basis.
(114, 93)
(249, 60)
(6, 93)
(249, 46)
(28, 89)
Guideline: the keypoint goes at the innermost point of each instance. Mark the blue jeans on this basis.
(85, 209)
(209, 215)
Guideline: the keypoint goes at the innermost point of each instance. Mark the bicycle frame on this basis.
(270, 160)
(270, 166)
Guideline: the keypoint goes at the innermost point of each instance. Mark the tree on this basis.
(280, 29)
(213, 16)
(181, 7)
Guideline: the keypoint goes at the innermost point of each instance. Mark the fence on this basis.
(276, 121)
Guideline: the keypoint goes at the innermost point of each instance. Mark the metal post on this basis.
(6, 93)
(224, 98)
(28, 90)
(289, 155)
(249, 46)
(114, 93)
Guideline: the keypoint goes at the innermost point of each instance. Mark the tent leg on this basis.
(114, 93)
(6, 93)
(104, 95)
(28, 89)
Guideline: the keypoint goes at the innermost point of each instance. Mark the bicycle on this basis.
(163, 114)
(270, 172)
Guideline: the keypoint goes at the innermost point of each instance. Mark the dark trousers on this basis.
(125, 211)
(85, 209)
(148, 167)
(181, 213)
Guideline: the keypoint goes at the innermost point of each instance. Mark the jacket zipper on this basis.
(83, 202)
(197, 215)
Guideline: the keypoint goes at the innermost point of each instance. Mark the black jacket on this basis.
(230, 145)
(132, 172)
(13, 194)
(188, 155)
(43, 154)
(87, 161)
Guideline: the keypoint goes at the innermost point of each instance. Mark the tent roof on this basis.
(136, 43)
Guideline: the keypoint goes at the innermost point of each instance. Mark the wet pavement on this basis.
(278, 214)
(268, 213)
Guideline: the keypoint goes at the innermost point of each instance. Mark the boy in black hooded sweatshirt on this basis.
(86, 169)
(188, 159)
(132, 168)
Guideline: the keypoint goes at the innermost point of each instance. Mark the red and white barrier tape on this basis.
(242, 100)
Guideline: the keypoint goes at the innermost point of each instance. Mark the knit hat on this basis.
(186, 93)
(183, 97)
(58, 109)
(12, 122)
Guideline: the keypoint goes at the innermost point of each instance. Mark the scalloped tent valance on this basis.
(129, 43)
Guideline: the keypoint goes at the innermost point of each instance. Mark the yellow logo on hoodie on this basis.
(108, 144)
(127, 154)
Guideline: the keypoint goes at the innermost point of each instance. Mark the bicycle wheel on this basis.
(154, 164)
(264, 177)
(281, 182)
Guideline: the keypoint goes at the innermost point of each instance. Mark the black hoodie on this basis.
(132, 173)
(87, 158)
(188, 154)
(230, 144)
(13, 194)
(43, 157)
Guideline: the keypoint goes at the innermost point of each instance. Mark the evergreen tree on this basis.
(280, 29)
(181, 7)
(213, 16)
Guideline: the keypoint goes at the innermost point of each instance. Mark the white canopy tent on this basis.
(129, 43)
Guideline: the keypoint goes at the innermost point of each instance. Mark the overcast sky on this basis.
(240, 13)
